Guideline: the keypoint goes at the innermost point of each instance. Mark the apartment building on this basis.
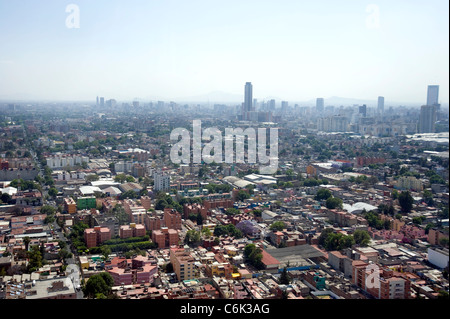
(70, 206)
(97, 235)
(172, 218)
(132, 230)
(165, 237)
(183, 263)
(387, 284)
(137, 270)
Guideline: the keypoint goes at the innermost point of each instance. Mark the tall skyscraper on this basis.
(284, 106)
(272, 105)
(248, 100)
(363, 110)
(380, 107)
(433, 95)
(320, 105)
(427, 120)
(97, 101)
(102, 101)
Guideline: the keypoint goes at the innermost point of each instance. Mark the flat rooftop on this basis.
(296, 256)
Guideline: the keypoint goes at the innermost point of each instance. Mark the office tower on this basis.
(427, 119)
(380, 105)
(363, 110)
(97, 101)
(271, 105)
(320, 106)
(433, 99)
(284, 106)
(433, 95)
(111, 103)
(255, 104)
(248, 100)
(102, 101)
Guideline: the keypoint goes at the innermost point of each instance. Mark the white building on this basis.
(409, 182)
(438, 257)
(161, 181)
(68, 176)
(63, 160)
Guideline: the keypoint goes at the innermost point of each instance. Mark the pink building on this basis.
(131, 271)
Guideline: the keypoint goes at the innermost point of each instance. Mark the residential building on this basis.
(183, 263)
(132, 230)
(161, 181)
(165, 237)
(97, 235)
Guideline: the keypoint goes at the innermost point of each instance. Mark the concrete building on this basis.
(183, 264)
(70, 206)
(63, 160)
(161, 181)
(427, 120)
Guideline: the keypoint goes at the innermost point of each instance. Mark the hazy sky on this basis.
(295, 50)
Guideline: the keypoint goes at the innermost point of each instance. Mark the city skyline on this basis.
(292, 51)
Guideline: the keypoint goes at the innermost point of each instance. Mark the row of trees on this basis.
(338, 241)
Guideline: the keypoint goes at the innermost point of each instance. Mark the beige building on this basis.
(183, 264)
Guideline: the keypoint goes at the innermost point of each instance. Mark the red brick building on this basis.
(95, 236)
(172, 218)
(132, 230)
(165, 237)
(194, 209)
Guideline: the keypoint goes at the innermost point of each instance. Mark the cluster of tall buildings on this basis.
(429, 115)
(249, 112)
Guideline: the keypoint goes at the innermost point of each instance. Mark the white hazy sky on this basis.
(293, 49)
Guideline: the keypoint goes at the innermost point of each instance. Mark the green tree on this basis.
(98, 285)
(34, 259)
(361, 237)
(52, 192)
(92, 178)
(199, 219)
(26, 241)
(428, 197)
(333, 203)
(277, 226)
(324, 235)
(106, 251)
(192, 237)
(254, 255)
(232, 211)
(406, 201)
(394, 194)
(206, 232)
(285, 279)
(47, 209)
(120, 178)
(323, 194)
(242, 195)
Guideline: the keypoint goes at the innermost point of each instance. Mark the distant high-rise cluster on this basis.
(249, 112)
